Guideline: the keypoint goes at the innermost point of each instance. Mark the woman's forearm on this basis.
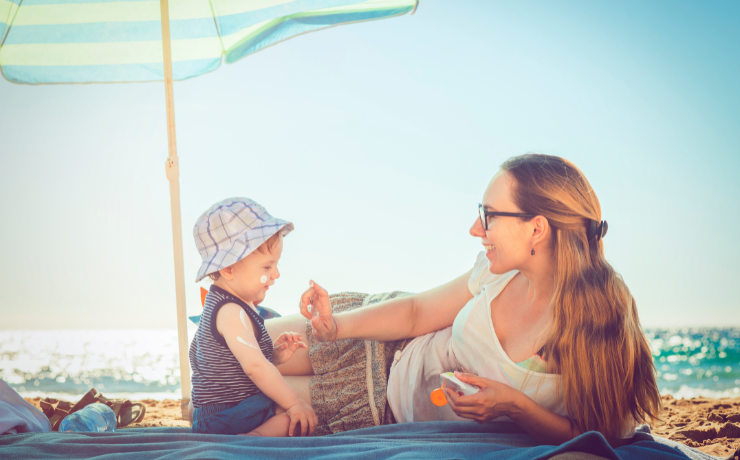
(407, 317)
(385, 321)
(545, 426)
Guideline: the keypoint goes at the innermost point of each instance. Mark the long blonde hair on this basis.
(594, 339)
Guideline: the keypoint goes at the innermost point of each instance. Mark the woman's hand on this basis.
(302, 413)
(284, 347)
(324, 327)
(495, 399)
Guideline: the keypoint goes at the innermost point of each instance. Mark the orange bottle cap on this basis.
(438, 397)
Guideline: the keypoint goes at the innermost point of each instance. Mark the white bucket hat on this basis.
(232, 229)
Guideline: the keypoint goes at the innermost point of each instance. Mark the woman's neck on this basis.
(540, 280)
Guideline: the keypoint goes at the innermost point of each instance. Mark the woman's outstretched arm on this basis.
(394, 319)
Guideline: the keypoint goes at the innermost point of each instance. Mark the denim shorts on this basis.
(233, 418)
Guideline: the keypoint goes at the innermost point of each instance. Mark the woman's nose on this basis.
(477, 230)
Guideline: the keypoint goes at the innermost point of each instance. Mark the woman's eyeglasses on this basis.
(485, 216)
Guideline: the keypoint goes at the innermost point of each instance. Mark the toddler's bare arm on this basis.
(240, 338)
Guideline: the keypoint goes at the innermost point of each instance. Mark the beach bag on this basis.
(18, 415)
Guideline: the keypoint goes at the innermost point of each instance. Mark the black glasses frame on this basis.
(483, 214)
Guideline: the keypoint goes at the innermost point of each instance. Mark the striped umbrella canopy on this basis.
(107, 41)
(85, 41)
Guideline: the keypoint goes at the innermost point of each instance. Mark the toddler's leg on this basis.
(275, 426)
(299, 363)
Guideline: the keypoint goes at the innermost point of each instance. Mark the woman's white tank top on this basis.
(469, 345)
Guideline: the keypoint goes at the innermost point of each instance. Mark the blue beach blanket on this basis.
(467, 440)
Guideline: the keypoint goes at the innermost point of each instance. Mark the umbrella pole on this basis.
(173, 176)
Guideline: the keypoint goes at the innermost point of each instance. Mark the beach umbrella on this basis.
(109, 41)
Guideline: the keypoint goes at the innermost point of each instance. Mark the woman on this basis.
(547, 328)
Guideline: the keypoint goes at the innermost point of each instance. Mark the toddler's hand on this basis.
(323, 326)
(302, 413)
(284, 347)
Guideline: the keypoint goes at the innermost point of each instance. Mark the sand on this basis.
(710, 425)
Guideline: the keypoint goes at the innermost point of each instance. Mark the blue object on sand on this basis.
(93, 418)
(265, 313)
(467, 440)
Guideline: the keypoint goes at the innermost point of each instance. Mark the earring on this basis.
(532, 251)
(535, 231)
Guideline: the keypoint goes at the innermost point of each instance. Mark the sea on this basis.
(144, 364)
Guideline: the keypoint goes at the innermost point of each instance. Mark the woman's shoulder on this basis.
(482, 276)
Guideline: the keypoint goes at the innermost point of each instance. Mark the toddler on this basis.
(236, 387)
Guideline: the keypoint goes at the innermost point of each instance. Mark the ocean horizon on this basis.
(144, 363)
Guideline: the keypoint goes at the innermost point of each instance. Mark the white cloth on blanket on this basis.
(18, 415)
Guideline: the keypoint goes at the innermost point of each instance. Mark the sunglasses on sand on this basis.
(485, 216)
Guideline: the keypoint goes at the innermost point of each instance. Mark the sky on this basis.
(377, 140)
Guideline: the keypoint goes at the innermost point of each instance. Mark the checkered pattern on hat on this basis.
(232, 229)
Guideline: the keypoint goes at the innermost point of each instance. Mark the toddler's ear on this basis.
(227, 272)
